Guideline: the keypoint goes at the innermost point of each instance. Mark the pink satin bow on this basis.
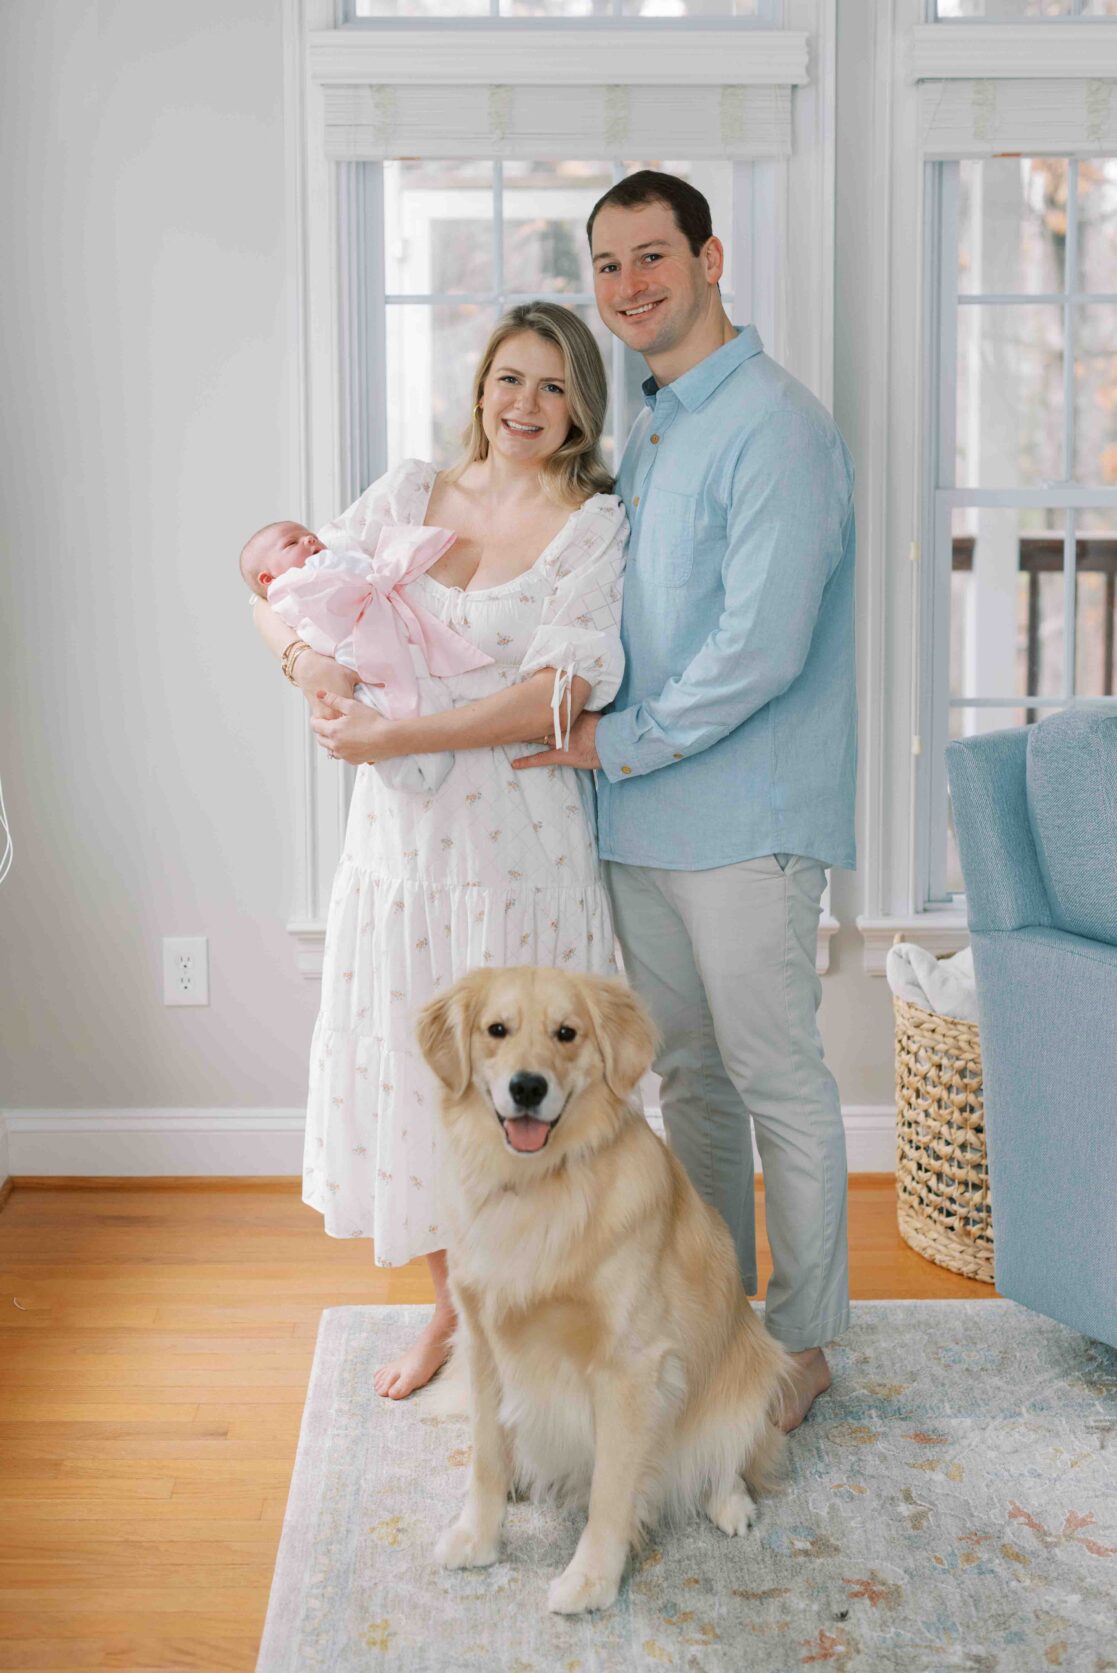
(334, 605)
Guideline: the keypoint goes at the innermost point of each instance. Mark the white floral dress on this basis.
(495, 867)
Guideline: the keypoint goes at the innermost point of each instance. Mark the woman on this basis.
(495, 867)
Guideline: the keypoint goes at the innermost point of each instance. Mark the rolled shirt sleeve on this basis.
(789, 496)
(579, 630)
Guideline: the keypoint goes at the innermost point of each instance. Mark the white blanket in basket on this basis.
(943, 985)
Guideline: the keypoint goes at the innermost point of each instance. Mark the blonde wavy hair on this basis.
(576, 469)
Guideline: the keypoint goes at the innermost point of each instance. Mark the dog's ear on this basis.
(443, 1029)
(626, 1034)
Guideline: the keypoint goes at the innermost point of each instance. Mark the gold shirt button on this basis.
(636, 501)
(655, 439)
(676, 757)
(626, 769)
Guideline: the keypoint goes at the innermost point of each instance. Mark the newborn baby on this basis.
(348, 604)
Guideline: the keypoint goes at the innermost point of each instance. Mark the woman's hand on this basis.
(351, 731)
(315, 673)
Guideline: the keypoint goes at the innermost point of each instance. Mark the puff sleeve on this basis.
(580, 628)
(399, 496)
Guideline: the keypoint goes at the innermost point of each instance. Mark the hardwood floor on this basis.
(155, 1345)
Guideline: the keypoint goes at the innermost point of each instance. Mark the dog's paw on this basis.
(576, 1591)
(733, 1512)
(460, 1547)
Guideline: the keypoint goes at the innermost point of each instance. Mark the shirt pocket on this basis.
(667, 532)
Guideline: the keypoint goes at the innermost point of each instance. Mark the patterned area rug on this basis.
(951, 1507)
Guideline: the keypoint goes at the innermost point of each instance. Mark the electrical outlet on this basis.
(185, 970)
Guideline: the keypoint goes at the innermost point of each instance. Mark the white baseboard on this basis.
(870, 1137)
(247, 1142)
(149, 1143)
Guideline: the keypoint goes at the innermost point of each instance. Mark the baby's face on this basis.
(283, 547)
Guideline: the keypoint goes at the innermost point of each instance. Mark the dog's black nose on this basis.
(527, 1089)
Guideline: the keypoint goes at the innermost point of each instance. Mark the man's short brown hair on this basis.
(686, 203)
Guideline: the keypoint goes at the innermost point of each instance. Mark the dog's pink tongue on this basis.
(525, 1133)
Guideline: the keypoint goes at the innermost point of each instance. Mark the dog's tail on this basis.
(764, 1465)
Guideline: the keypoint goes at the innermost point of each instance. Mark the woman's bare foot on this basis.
(415, 1368)
(811, 1378)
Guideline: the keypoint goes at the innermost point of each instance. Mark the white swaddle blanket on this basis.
(946, 986)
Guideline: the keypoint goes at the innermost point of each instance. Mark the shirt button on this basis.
(636, 501)
(626, 769)
(655, 439)
(676, 757)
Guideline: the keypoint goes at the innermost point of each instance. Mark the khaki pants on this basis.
(724, 959)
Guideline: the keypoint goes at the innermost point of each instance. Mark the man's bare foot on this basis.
(811, 1378)
(415, 1368)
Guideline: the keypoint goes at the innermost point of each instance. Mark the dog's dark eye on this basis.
(497, 1030)
(566, 1034)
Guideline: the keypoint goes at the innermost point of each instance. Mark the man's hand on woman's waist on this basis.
(582, 751)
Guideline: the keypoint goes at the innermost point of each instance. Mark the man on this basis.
(726, 767)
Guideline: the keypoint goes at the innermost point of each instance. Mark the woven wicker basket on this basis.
(942, 1182)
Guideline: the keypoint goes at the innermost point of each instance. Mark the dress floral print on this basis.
(496, 867)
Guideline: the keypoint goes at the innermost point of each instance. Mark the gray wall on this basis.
(145, 345)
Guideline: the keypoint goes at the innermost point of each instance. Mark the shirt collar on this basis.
(700, 382)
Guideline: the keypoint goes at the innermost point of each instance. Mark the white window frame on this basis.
(790, 276)
(902, 775)
(947, 306)
(753, 298)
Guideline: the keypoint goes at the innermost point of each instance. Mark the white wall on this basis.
(145, 339)
(144, 346)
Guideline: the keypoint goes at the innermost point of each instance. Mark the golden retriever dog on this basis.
(612, 1354)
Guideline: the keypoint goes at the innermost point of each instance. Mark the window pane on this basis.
(1097, 224)
(545, 208)
(1010, 395)
(432, 353)
(1012, 225)
(763, 9)
(1004, 11)
(1095, 394)
(556, 8)
(419, 8)
(438, 228)
(1007, 633)
(1096, 553)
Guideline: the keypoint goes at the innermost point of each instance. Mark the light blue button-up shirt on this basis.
(734, 732)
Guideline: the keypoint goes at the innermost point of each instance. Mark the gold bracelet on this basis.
(291, 655)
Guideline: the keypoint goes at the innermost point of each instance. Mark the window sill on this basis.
(943, 931)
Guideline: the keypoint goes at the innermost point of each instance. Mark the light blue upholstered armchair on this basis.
(1035, 810)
